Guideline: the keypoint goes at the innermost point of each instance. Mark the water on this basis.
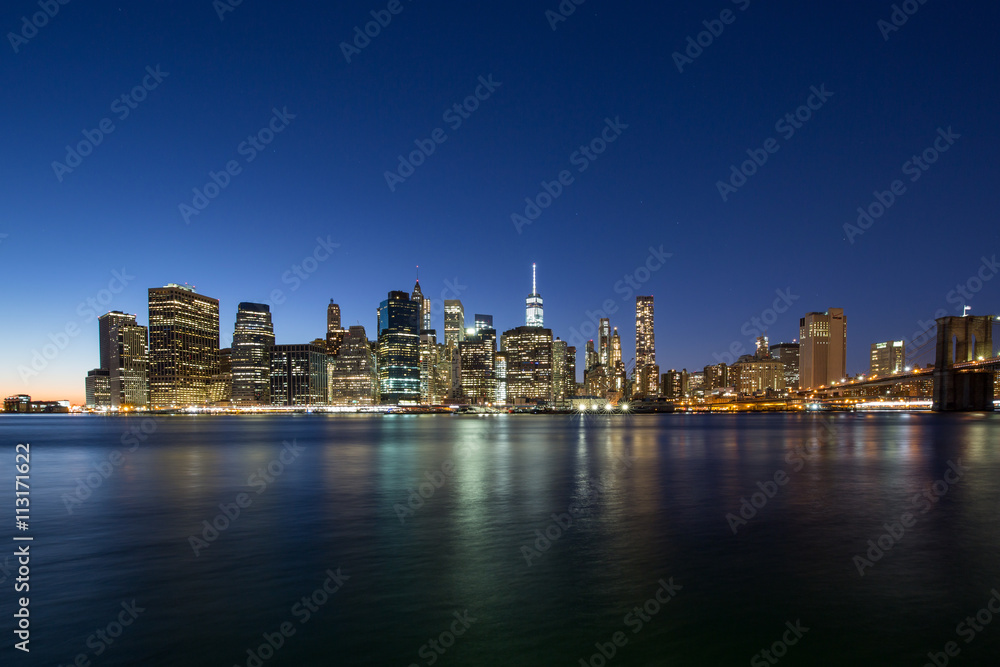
(650, 497)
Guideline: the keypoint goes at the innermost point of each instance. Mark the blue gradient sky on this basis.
(323, 176)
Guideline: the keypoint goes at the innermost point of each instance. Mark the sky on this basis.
(257, 138)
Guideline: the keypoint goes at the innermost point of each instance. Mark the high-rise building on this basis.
(716, 377)
(183, 345)
(483, 322)
(788, 354)
(559, 372)
(570, 378)
(647, 373)
(425, 306)
(529, 364)
(501, 365)
(752, 375)
(352, 375)
(221, 387)
(674, 385)
(251, 357)
(888, 358)
(98, 389)
(477, 367)
(434, 380)
(454, 322)
(604, 342)
(334, 330)
(590, 358)
(299, 375)
(398, 357)
(533, 314)
(823, 348)
(124, 355)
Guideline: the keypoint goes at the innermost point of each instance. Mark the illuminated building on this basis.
(533, 314)
(424, 304)
(501, 366)
(758, 374)
(124, 356)
(221, 387)
(823, 348)
(251, 356)
(529, 364)
(674, 384)
(716, 377)
(434, 378)
(788, 354)
(352, 375)
(559, 372)
(299, 375)
(647, 373)
(477, 366)
(888, 358)
(570, 377)
(454, 322)
(334, 331)
(98, 389)
(590, 357)
(398, 351)
(604, 342)
(183, 345)
(483, 322)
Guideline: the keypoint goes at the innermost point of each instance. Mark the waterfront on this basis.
(337, 501)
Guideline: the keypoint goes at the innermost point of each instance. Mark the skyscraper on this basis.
(528, 352)
(604, 342)
(425, 306)
(559, 371)
(483, 322)
(124, 355)
(353, 377)
(477, 367)
(823, 348)
(252, 341)
(183, 345)
(398, 358)
(533, 305)
(647, 373)
(334, 331)
(454, 322)
(590, 357)
(299, 375)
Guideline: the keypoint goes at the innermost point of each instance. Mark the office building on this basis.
(716, 377)
(398, 355)
(888, 358)
(590, 358)
(477, 367)
(823, 348)
(352, 379)
(251, 356)
(757, 376)
(673, 385)
(454, 322)
(788, 354)
(425, 306)
(334, 330)
(483, 322)
(604, 342)
(183, 345)
(221, 387)
(529, 364)
(533, 314)
(559, 372)
(299, 375)
(501, 366)
(124, 355)
(97, 389)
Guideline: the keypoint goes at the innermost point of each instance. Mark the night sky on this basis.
(343, 125)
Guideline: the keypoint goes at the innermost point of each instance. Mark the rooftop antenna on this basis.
(534, 289)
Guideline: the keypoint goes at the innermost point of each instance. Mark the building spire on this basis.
(534, 288)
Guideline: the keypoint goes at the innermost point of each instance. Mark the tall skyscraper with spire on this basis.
(533, 304)
(423, 304)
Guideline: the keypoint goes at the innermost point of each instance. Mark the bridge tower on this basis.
(959, 340)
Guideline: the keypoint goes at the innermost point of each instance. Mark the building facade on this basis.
(888, 358)
(298, 375)
(528, 352)
(251, 355)
(125, 356)
(477, 367)
(823, 348)
(353, 377)
(788, 354)
(398, 356)
(183, 345)
(533, 312)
